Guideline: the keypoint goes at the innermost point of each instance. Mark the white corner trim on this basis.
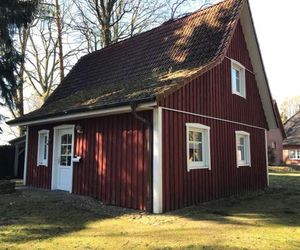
(267, 158)
(157, 161)
(26, 156)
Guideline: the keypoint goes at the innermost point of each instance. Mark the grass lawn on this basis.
(270, 219)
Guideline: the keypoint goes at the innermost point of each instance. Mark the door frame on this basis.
(54, 152)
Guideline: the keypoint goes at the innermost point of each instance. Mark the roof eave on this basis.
(86, 112)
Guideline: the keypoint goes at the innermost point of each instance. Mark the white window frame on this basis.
(42, 162)
(206, 163)
(247, 161)
(242, 70)
(297, 154)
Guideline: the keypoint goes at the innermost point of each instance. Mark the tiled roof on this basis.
(292, 130)
(147, 66)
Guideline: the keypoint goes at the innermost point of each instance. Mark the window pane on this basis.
(191, 151)
(69, 149)
(292, 154)
(190, 135)
(64, 139)
(69, 160)
(197, 136)
(69, 139)
(235, 78)
(241, 153)
(198, 156)
(45, 152)
(238, 87)
(64, 150)
(63, 160)
(242, 141)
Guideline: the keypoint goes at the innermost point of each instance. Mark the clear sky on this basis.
(277, 24)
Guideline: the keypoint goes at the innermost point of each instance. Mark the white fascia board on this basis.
(89, 114)
(258, 66)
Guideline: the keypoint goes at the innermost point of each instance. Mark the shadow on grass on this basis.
(33, 214)
(30, 215)
(279, 204)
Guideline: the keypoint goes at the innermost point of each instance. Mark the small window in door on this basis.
(66, 150)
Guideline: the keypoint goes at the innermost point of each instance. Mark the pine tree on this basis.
(14, 14)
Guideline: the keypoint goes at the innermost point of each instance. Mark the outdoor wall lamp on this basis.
(79, 129)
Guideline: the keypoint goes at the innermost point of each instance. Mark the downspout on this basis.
(149, 205)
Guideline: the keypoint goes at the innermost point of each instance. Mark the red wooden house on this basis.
(169, 118)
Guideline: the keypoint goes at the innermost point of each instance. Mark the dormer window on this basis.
(238, 79)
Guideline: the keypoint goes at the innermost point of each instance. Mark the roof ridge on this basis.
(141, 67)
(291, 117)
(166, 23)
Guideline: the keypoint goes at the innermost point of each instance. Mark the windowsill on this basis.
(199, 168)
(238, 94)
(244, 165)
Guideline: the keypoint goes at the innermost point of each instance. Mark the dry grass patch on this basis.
(269, 219)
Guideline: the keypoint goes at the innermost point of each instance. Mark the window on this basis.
(198, 146)
(42, 156)
(243, 148)
(294, 154)
(238, 79)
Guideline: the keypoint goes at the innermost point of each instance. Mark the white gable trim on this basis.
(258, 66)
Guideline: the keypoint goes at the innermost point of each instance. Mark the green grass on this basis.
(269, 219)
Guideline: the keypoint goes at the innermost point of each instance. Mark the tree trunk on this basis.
(59, 37)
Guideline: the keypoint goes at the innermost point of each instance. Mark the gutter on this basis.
(149, 206)
(81, 113)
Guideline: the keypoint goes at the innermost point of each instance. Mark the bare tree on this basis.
(49, 51)
(102, 22)
(289, 107)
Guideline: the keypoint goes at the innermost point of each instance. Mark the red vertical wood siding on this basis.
(211, 95)
(114, 163)
(182, 188)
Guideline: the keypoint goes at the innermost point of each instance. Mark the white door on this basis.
(63, 160)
